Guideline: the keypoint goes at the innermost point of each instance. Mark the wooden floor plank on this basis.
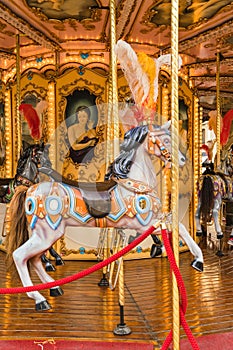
(87, 311)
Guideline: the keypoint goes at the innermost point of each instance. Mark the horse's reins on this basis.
(163, 150)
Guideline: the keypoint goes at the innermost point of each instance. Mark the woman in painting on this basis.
(82, 137)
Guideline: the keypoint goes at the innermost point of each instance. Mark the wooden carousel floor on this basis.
(89, 312)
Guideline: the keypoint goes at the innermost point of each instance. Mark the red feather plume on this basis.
(227, 120)
(206, 148)
(32, 118)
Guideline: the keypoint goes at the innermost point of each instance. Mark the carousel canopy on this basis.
(80, 30)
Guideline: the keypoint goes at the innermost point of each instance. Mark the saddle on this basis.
(96, 195)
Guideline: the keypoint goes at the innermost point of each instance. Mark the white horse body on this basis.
(52, 206)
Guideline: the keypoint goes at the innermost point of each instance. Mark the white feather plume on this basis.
(135, 76)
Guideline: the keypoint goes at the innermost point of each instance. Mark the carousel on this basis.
(116, 194)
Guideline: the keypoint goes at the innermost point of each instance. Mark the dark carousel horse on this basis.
(214, 187)
(27, 174)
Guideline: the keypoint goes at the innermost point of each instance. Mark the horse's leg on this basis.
(197, 263)
(44, 277)
(48, 265)
(157, 246)
(216, 210)
(34, 246)
(56, 256)
(197, 220)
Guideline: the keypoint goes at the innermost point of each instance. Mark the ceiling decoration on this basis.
(76, 33)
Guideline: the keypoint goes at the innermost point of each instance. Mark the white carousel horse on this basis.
(128, 199)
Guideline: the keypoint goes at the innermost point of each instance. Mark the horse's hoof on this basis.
(155, 251)
(56, 292)
(199, 233)
(219, 235)
(43, 306)
(59, 262)
(219, 253)
(49, 267)
(197, 265)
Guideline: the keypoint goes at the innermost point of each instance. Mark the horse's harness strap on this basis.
(24, 181)
(100, 222)
(134, 186)
(164, 151)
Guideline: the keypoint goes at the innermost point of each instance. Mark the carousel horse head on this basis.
(30, 160)
(41, 155)
(159, 143)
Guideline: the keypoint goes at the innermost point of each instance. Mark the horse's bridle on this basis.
(155, 141)
(24, 181)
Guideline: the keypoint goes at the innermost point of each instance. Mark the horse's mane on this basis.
(23, 159)
(133, 138)
(28, 153)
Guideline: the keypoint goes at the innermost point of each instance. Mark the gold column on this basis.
(199, 139)
(175, 165)
(165, 176)
(218, 107)
(197, 113)
(18, 98)
(8, 132)
(52, 121)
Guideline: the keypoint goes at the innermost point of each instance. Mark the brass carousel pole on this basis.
(218, 108)
(18, 97)
(111, 127)
(113, 139)
(175, 165)
(113, 122)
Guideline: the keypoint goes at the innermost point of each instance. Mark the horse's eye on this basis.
(166, 141)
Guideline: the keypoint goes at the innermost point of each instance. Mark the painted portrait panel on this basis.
(81, 121)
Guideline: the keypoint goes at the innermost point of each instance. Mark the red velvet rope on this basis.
(100, 265)
(83, 273)
(183, 295)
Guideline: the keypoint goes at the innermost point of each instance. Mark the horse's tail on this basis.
(206, 199)
(18, 228)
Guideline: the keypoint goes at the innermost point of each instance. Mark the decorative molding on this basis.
(212, 34)
(204, 79)
(25, 28)
(124, 11)
(227, 61)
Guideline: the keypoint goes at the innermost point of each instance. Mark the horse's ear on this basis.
(167, 125)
